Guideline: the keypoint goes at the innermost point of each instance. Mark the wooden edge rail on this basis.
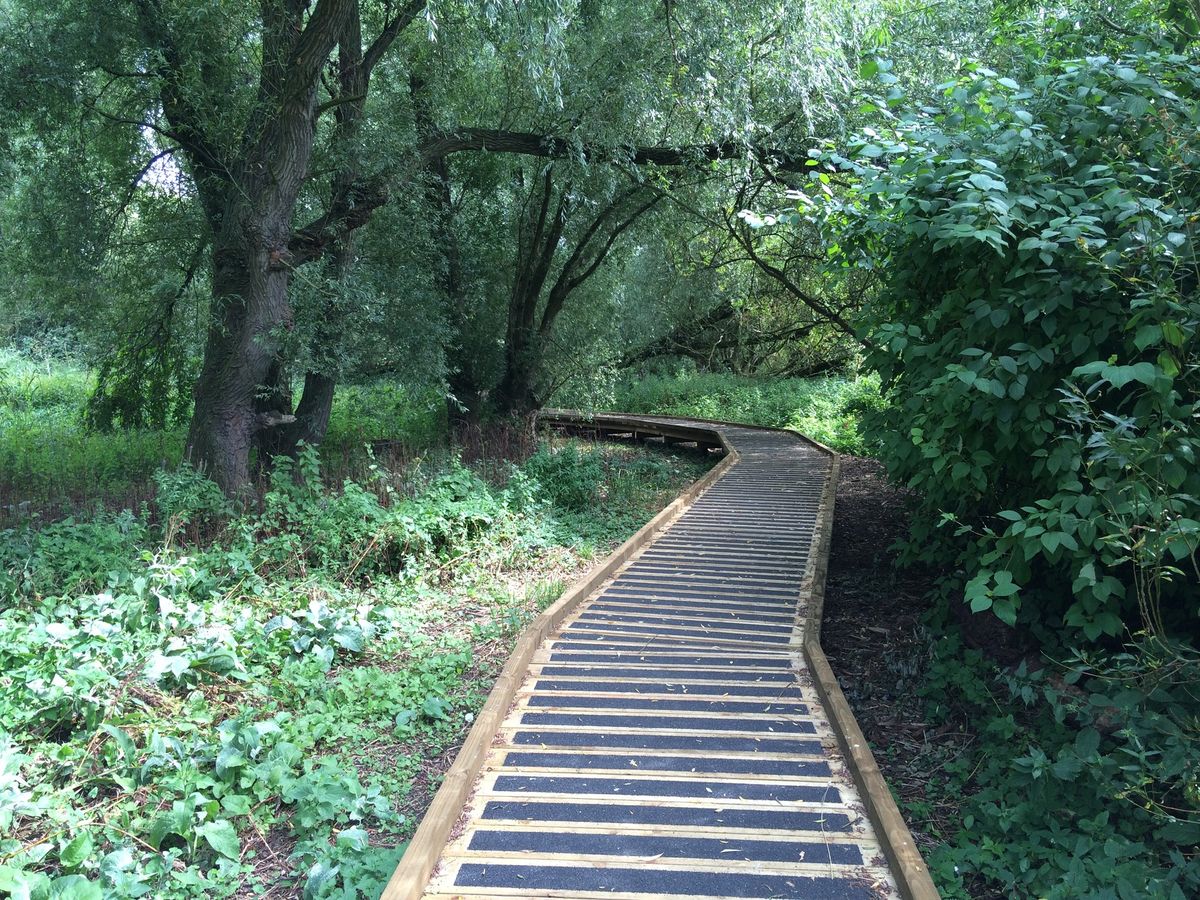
(412, 875)
(904, 859)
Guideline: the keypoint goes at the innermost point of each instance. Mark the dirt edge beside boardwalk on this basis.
(873, 636)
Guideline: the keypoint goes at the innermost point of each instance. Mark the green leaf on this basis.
(79, 849)
(222, 837)
(319, 875)
(353, 838)
(124, 741)
(1087, 742)
(1006, 611)
(436, 707)
(405, 718)
(1166, 362)
(14, 881)
(1147, 335)
(70, 887)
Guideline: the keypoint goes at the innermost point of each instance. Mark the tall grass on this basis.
(51, 464)
(47, 458)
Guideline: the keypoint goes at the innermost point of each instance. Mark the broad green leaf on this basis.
(353, 838)
(222, 837)
(1087, 742)
(75, 852)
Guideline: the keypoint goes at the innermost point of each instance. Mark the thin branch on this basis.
(390, 32)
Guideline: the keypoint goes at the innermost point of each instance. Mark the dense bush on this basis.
(1036, 333)
(49, 460)
(1036, 336)
(568, 477)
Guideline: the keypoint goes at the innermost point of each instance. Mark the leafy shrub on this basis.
(160, 712)
(1071, 791)
(364, 413)
(1036, 332)
(187, 496)
(69, 555)
(569, 478)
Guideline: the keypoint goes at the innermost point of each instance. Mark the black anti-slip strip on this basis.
(622, 687)
(667, 672)
(773, 576)
(791, 532)
(734, 580)
(728, 588)
(699, 545)
(685, 723)
(634, 703)
(741, 662)
(596, 644)
(666, 742)
(675, 557)
(801, 543)
(655, 787)
(661, 609)
(513, 841)
(698, 883)
(693, 816)
(696, 592)
(766, 524)
(709, 590)
(715, 545)
(709, 765)
(685, 632)
(666, 618)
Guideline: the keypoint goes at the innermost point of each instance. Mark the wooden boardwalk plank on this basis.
(671, 728)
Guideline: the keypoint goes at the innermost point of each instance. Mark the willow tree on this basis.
(234, 95)
(617, 107)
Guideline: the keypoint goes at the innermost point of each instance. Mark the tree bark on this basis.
(332, 237)
(538, 242)
(250, 302)
(552, 146)
(248, 188)
(249, 197)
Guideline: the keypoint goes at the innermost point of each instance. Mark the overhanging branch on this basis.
(556, 147)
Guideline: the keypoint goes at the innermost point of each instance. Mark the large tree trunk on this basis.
(250, 207)
(347, 204)
(248, 189)
(250, 302)
(539, 238)
(516, 393)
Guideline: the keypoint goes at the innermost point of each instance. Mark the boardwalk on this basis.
(669, 735)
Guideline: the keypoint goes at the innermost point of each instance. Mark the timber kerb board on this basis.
(671, 727)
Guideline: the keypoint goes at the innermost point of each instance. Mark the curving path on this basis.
(672, 728)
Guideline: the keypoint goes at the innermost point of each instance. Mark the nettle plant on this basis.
(1036, 334)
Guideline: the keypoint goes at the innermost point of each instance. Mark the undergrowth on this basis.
(198, 701)
(1068, 778)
